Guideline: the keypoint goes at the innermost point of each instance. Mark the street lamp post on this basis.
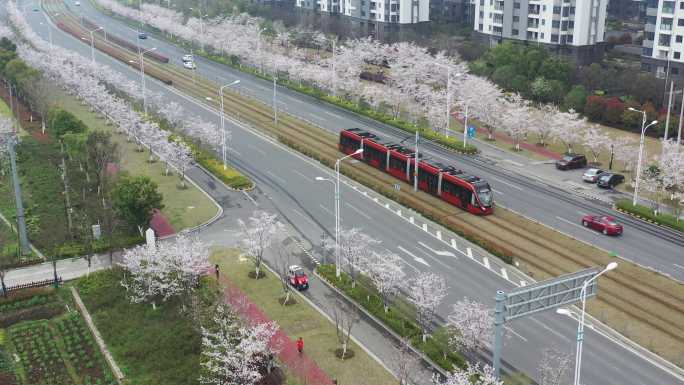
(580, 327)
(275, 105)
(644, 127)
(92, 43)
(141, 59)
(336, 183)
(223, 121)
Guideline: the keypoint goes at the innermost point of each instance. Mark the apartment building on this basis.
(574, 27)
(663, 44)
(374, 11)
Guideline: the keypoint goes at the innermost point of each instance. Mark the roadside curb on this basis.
(644, 219)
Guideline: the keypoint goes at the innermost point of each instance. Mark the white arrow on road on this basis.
(442, 253)
(417, 259)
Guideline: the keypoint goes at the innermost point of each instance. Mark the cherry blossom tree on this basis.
(553, 367)
(671, 165)
(258, 233)
(234, 354)
(568, 128)
(427, 293)
(596, 141)
(473, 375)
(354, 248)
(385, 270)
(473, 324)
(345, 316)
(515, 118)
(541, 122)
(164, 271)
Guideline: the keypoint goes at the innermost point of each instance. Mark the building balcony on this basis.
(498, 8)
(667, 28)
(648, 44)
(651, 11)
(649, 28)
(668, 10)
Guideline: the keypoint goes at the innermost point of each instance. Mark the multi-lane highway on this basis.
(287, 180)
(648, 245)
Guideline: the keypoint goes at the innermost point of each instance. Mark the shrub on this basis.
(614, 109)
(62, 122)
(646, 212)
(595, 107)
(575, 99)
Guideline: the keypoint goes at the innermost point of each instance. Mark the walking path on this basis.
(298, 364)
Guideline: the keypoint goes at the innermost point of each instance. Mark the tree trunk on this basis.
(344, 350)
(424, 337)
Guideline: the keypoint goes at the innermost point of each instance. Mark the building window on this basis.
(681, 5)
(555, 23)
(517, 18)
(480, 27)
(569, 39)
(481, 2)
(647, 52)
(543, 8)
(554, 38)
(571, 24)
(481, 14)
(677, 55)
(543, 21)
(556, 10)
(363, 13)
(678, 39)
(394, 7)
(541, 35)
(680, 22)
(516, 5)
(515, 32)
(674, 70)
(566, 12)
(650, 36)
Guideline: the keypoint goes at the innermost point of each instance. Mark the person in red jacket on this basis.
(300, 345)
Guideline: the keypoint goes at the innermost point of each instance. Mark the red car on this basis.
(605, 224)
(298, 277)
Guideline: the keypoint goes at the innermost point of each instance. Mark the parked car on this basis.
(591, 175)
(188, 58)
(609, 180)
(571, 161)
(189, 65)
(605, 224)
(298, 277)
(142, 35)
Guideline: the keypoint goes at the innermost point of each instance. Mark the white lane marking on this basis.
(523, 283)
(497, 192)
(513, 163)
(485, 261)
(438, 234)
(262, 152)
(504, 274)
(399, 212)
(442, 253)
(549, 329)
(250, 198)
(357, 210)
(574, 224)
(331, 114)
(417, 259)
(404, 260)
(234, 151)
(469, 251)
(679, 266)
(302, 175)
(327, 210)
(281, 180)
(305, 217)
(432, 257)
(410, 219)
(510, 329)
(425, 227)
(507, 184)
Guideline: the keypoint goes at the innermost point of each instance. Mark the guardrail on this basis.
(122, 42)
(34, 284)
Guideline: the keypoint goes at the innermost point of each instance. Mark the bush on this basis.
(647, 213)
(614, 109)
(62, 122)
(595, 107)
(575, 99)
(230, 176)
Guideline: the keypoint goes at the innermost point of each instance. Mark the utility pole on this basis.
(21, 220)
(275, 105)
(669, 107)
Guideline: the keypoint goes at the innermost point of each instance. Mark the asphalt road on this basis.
(553, 205)
(286, 180)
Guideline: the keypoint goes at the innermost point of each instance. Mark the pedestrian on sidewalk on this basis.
(300, 345)
(216, 268)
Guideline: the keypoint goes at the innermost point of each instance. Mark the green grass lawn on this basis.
(301, 320)
(184, 208)
(152, 347)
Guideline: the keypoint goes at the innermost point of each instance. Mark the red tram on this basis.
(450, 184)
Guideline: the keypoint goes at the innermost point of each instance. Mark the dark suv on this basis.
(570, 161)
(609, 180)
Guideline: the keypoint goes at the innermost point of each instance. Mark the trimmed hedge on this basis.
(72, 249)
(647, 213)
(394, 319)
(229, 176)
